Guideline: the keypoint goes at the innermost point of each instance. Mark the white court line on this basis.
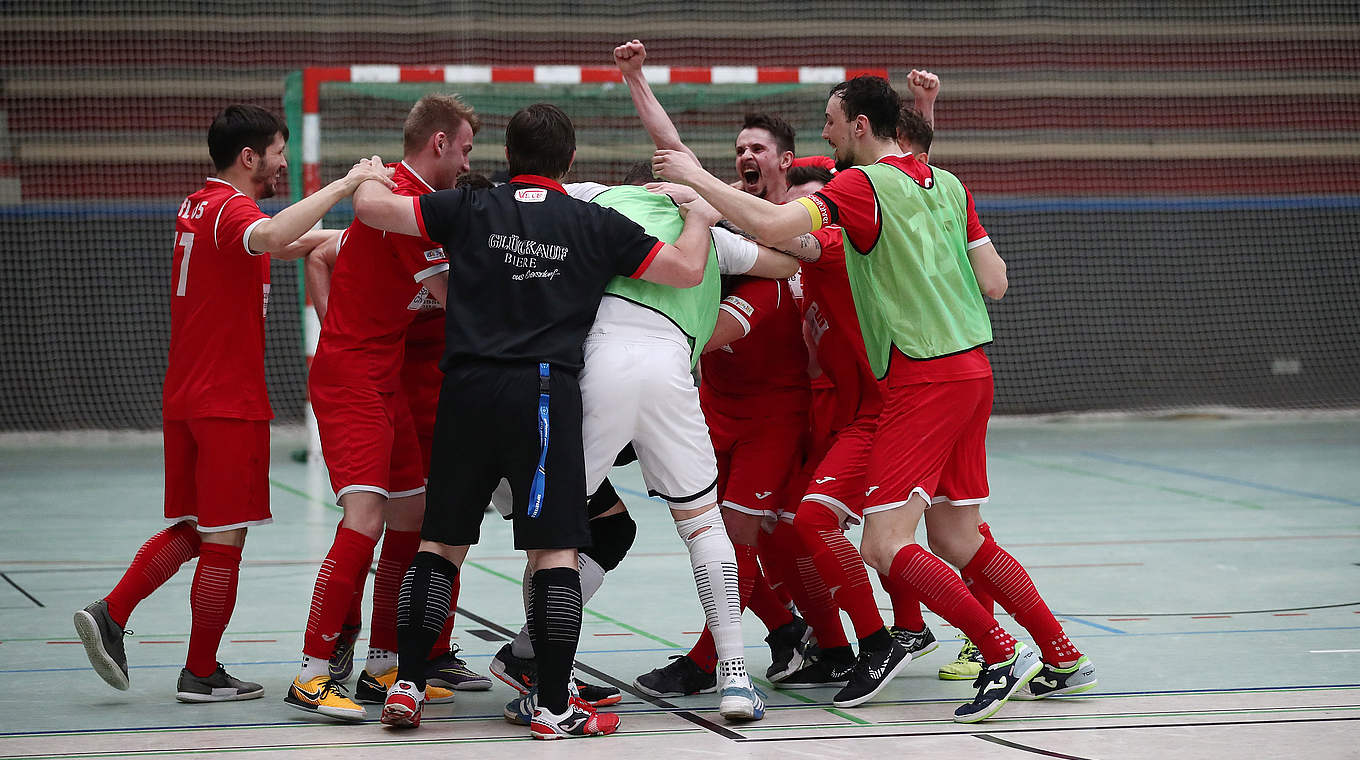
(1331, 651)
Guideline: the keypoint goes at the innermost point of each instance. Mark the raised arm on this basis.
(924, 87)
(629, 57)
(768, 222)
(285, 227)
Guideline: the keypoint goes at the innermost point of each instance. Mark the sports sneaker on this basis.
(739, 700)
(830, 668)
(597, 696)
(1053, 682)
(520, 710)
(787, 648)
(218, 687)
(342, 659)
(679, 679)
(373, 690)
(873, 670)
(579, 720)
(451, 671)
(103, 640)
(996, 683)
(966, 667)
(918, 643)
(520, 672)
(323, 696)
(403, 705)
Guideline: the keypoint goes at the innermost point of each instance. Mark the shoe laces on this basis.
(332, 686)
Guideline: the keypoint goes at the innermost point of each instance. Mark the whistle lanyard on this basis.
(540, 474)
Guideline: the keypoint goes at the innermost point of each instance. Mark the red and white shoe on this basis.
(403, 705)
(580, 720)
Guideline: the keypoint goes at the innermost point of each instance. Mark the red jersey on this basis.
(849, 200)
(375, 294)
(832, 329)
(765, 373)
(219, 293)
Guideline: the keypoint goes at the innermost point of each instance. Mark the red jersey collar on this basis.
(534, 179)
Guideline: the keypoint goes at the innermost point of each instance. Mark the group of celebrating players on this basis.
(835, 320)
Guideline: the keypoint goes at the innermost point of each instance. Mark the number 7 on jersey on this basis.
(185, 240)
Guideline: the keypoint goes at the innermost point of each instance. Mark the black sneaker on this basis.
(452, 672)
(681, 678)
(520, 672)
(918, 643)
(103, 640)
(787, 643)
(997, 683)
(830, 668)
(1053, 681)
(342, 659)
(218, 687)
(597, 696)
(873, 670)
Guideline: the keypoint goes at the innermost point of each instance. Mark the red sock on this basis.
(211, 600)
(783, 550)
(906, 605)
(445, 641)
(944, 593)
(158, 559)
(354, 618)
(979, 593)
(840, 565)
(398, 549)
(334, 591)
(763, 601)
(999, 574)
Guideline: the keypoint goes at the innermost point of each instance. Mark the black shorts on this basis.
(486, 429)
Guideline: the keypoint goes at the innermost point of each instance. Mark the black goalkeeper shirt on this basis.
(528, 265)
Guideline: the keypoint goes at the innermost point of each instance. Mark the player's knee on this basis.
(812, 518)
(956, 549)
(612, 536)
(706, 538)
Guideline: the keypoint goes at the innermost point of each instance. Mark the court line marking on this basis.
(1219, 478)
(21, 590)
(1027, 748)
(1331, 651)
(697, 720)
(1128, 482)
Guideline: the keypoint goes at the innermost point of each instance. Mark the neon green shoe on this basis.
(966, 667)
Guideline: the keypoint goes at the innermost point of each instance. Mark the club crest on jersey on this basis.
(531, 195)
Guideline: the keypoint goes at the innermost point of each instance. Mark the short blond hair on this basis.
(436, 113)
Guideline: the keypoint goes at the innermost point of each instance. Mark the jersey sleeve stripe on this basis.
(737, 315)
(647, 261)
(420, 218)
(980, 241)
(431, 271)
(245, 239)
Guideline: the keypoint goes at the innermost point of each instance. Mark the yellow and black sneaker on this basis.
(966, 667)
(372, 690)
(324, 696)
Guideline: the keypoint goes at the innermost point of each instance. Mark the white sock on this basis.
(715, 576)
(379, 661)
(313, 667)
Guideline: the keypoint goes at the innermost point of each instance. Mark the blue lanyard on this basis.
(540, 474)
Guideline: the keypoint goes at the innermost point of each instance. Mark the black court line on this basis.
(697, 720)
(1034, 750)
(20, 589)
(917, 734)
(486, 635)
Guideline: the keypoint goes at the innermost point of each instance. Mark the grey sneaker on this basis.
(218, 687)
(103, 640)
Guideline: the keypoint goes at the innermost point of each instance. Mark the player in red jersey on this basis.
(215, 407)
(368, 436)
(930, 443)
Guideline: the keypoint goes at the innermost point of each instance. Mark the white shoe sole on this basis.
(88, 630)
(349, 716)
(1000, 703)
(398, 715)
(196, 698)
(740, 708)
(498, 670)
(667, 694)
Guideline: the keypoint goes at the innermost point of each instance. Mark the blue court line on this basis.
(166, 210)
(1106, 628)
(1218, 478)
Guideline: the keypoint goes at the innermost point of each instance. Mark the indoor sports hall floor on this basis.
(1210, 568)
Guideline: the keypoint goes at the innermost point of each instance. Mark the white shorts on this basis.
(642, 391)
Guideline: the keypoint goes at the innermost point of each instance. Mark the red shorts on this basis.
(217, 472)
(837, 480)
(421, 379)
(931, 442)
(368, 440)
(758, 460)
